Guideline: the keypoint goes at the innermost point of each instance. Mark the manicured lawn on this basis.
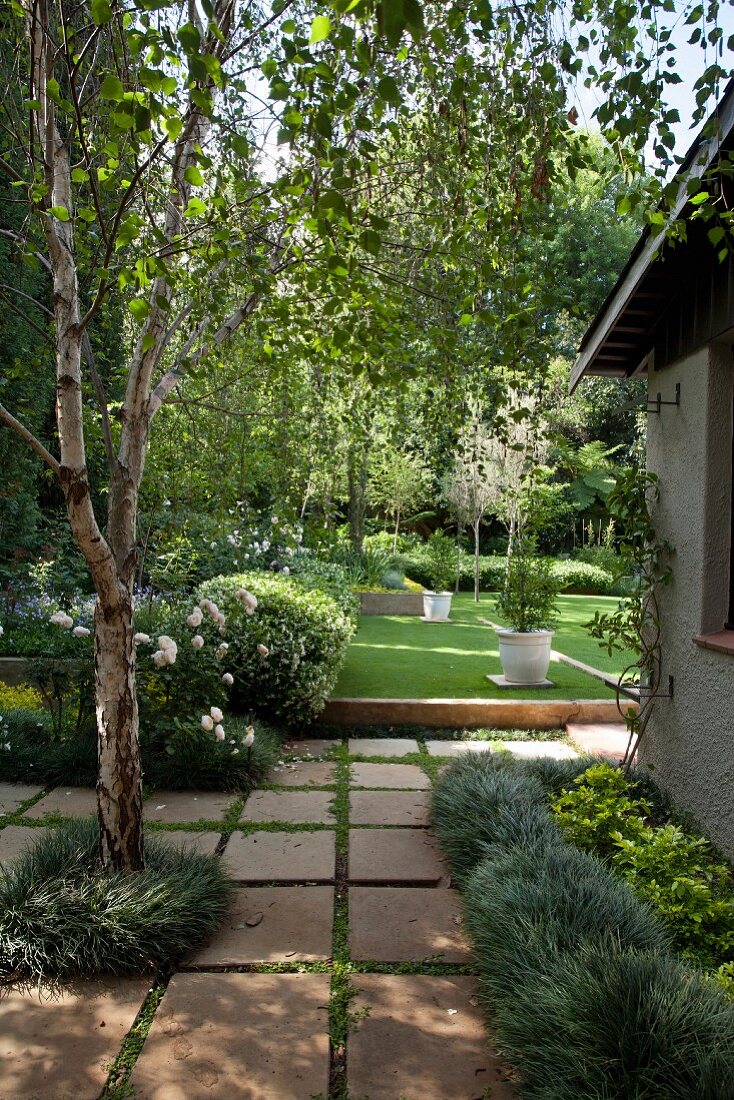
(400, 657)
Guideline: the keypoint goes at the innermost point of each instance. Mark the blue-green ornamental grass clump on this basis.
(62, 917)
(579, 972)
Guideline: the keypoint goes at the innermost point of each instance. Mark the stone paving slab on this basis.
(306, 773)
(61, 1047)
(293, 807)
(281, 857)
(179, 807)
(13, 794)
(456, 748)
(421, 924)
(205, 843)
(68, 801)
(382, 746)
(395, 776)
(423, 1039)
(532, 750)
(273, 924)
(608, 739)
(16, 839)
(394, 855)
(310, 747)
(237, 1037)
(389, 808)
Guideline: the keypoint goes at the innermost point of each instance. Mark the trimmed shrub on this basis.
(466, 806)
(524, 908)
(305, 633)
(62, 917)
(582, 577)
(570, 575)
(20, 697)
(315, 574)
(618, 1024)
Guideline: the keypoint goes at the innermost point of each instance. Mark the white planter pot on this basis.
(525, 657)
(436, 606)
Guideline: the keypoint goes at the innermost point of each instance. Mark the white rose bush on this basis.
(285, 642)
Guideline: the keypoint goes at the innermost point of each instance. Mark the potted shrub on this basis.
(528, 603)
(441, 568)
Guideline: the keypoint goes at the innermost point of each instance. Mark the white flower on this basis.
(221, 650)
(212, 545)
(263, 650)
(195, 618)
(216, 714)
(231, 540)
(212, 610)
(160, 658)
(249, 738)
(222, 629)
(166, 504)
(248, 601)
(219, 733)
(81, 632)
(285, 571)
(197, 641)
(228, 679)
(1, 632)
(170, 656)
(207, 723)
(205, 604)
(165, 642)
(235, 751)
(60, 618)
(141, 639)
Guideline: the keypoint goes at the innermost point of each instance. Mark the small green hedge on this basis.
(304, 631)
(572, 576)
(587, 999)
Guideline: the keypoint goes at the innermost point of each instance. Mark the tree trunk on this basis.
(395, 534)
(357, 500)
(476, 562)
(119, 783)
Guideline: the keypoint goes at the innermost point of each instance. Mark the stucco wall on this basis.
(690, 739)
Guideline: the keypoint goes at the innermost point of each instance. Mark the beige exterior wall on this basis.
(690, 739)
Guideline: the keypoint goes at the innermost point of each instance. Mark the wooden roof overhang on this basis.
(618, 342)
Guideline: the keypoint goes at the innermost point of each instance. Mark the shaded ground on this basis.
(340, 971)
(401, 657)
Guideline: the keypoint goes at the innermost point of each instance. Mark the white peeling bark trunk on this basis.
(119, 783)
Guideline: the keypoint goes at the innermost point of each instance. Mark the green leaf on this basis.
(148, 342)
(101, 11)
(320, 29)
(60, 213)
(193, 176)
(112, 89)
(371, 241)
(140, 308)
(189, 37)
(388, 90)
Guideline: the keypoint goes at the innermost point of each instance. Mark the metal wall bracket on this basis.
(656, 405)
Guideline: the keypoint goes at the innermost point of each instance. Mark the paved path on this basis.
(341, 971)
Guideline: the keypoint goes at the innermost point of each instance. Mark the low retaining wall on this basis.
(13, 670)
(391, 603)
(460, 713)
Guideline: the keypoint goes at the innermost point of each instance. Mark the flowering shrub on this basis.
(304, 633)
(25, 613)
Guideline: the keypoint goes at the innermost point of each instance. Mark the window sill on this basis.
(722, 641)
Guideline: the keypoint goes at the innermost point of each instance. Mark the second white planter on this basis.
(437, 606)
(525, 657)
